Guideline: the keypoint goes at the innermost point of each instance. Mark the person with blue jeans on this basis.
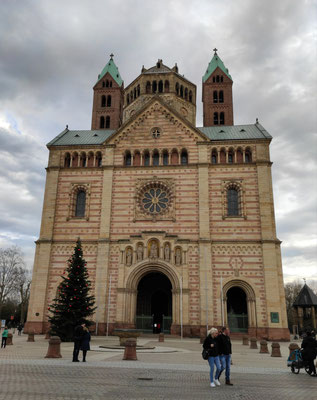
(225, 351)
(211, 345)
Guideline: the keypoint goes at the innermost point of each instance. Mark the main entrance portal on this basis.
(237, 310)
(154, 303)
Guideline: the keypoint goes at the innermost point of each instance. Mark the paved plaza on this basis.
(170, 370)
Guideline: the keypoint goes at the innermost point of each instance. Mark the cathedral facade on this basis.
(176, 221)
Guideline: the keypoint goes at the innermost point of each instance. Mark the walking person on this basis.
(4, 337)
(85, 343)
(78, 335)
(20, 327)
(225, 351)
(309, 352)
(211, 345)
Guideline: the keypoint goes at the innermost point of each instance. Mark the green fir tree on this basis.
(72, 304)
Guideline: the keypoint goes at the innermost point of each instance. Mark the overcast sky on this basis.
(51, 53)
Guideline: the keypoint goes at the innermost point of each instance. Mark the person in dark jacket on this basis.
(225, 351)
(309, 352)
(211, 345)
(78, 335)
(85, 346)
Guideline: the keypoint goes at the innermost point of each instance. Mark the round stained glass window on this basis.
(154, 199)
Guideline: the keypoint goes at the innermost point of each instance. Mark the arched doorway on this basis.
(237, 310)
(154, 303)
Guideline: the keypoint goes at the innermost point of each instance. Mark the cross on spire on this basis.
(111, 56)
(215, 50)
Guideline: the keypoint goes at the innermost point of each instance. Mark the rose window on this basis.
(154, 198)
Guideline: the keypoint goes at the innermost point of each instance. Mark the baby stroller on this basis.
(296, 362)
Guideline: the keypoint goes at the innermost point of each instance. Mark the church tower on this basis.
(217, 94)
(108, 98)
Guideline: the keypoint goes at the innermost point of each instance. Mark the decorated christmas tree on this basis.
(72, 304)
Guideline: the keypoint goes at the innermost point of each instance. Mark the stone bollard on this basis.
(130, 350)
(276, 351)
(9, 339)
(263, 348)
(54, 348)
(161, 337)
(292, 347)
(245, 340)
(31, 337)
(253, 343)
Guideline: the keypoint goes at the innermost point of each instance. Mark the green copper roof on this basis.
(113, 71)
(70, 138)
(214, 63)
(235, 132)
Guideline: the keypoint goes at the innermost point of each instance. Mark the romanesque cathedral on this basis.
(176, 220)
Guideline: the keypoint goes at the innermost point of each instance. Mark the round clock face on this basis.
(155, 200)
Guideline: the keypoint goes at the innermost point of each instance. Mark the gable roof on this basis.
(113, 70)
(214, 63)
(235, 132)
(85, 137)
(306, 297)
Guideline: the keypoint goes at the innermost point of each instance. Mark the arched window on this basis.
(127, 159)
(103, 84)
(107, 83)
(107, 122)
(184, 157)
(128, 99)
(221, 78)
(233, 201)
(75, 159)
(230, 157)
(160, 87)
(138, 90)
(146, 159)
(156, 158)
(137, 158)
(221, 96)
(90, 159)
(166, 86)
(131, 96)
(216, 121)
(215, 95)
(174, 157)
(134, 92)
(109, 101)
(165, 157)
(217, 78)
(148, 87)
(98, 159)
(222, 156)
(177, 88)
(110, 83)
(222, 118)
(154, 87)
(103, 101)
(190, 97)
(186, 94)
(239, 156)
(182, 91)
(248, 156)
(214, 79)
(80, 203)
(214, 157)
(102, 122)
(67, 160)
(83, 160)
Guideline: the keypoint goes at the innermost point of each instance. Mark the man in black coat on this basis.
(309, 352)
(225, 351)
(78, 335)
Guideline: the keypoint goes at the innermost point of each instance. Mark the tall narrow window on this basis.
(215, 96)
(148, 87)
(217, 78)
(137, 158)
(184, 157)
(146, 158)
(138, 89)
(102, 122)
(156, 158)
(109, 101)
(134, 93)
(83, 160)
(80, 203)
(248, 156)
(214, 157)
(166, 86)
(174, 157)
(103, 101)
(221, 96)
(107, 83)
(128, 98)
(98, 159)
(186, 94)
(230, 157)
(190, 97)
(154, 87)
(127, 160)
(182, 91)
(165, 158)
(177, 88)
(233, 201)
(107, 122)
(222, 118)
(67, 161)
(216, 121)
(160, 87)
